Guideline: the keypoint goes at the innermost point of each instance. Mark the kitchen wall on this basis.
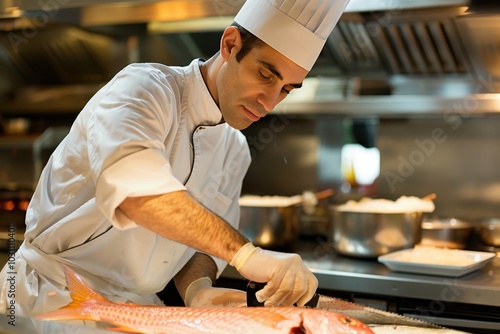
(456, 158)
(293, 153)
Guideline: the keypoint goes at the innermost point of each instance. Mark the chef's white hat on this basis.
(298, 29)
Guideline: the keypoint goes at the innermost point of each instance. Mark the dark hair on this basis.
(248, 41)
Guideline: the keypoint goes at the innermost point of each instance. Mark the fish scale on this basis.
(87, 304)
(154, 320)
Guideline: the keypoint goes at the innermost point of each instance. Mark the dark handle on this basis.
(252, 289)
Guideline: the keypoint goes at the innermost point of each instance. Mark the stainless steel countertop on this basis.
(368, 276)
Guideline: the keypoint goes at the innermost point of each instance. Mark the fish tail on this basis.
(81, 294)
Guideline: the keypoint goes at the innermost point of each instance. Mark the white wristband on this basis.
(194, 287)
(242, 255)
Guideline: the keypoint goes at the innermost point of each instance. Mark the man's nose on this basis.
(269, 99)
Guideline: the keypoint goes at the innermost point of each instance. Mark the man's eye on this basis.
(264, 76)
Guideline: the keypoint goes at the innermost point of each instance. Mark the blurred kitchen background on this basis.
(404, 99)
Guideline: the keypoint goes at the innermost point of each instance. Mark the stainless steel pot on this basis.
(368, 235)
(269, 227)
(446, 232)
(489, 231)
(273, 221)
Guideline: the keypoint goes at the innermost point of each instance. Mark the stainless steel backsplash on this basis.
(458, 158)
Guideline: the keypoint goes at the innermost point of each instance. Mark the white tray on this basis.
(436, 261)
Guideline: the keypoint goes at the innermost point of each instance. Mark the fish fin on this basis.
(79, 290)
(80, 293)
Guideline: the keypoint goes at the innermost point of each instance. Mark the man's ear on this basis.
(230, 42)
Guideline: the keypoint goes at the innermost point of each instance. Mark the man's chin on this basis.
(241, 125)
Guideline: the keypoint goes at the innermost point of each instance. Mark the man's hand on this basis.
(219, 297)
(201, 294)
(288, 279)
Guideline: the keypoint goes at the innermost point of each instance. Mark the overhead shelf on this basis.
(394, 106)
(408, 97)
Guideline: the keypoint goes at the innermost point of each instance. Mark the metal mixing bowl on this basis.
(269, 227)
(446, 233)
(489, 231)
(369, 235)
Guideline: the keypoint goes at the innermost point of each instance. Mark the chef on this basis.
(144, 188)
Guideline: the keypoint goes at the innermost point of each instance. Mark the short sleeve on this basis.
(127, 128)
(143, 173)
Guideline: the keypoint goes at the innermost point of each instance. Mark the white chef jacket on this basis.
(152, 129)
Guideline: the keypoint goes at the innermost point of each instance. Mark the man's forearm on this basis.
(200, 265)
(179, 217)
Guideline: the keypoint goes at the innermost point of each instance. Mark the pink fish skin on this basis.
(87, 304)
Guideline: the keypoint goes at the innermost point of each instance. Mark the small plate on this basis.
(436, 261)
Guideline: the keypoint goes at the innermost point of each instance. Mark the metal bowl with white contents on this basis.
(273, 221)
(372, 228)
(365, 234)
(270, 226)
(269, 221)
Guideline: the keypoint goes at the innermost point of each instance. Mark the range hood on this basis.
(128, 11)
(435, 51)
